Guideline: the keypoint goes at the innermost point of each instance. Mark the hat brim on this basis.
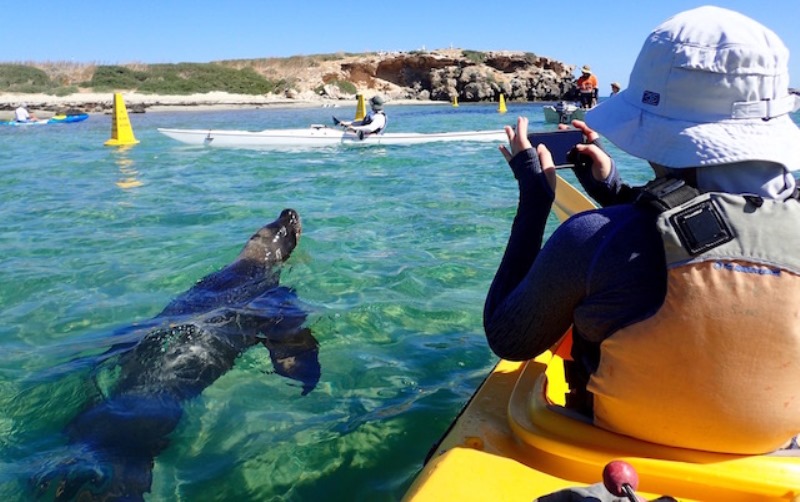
(681, 144)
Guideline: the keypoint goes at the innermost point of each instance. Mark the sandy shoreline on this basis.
(44, 105)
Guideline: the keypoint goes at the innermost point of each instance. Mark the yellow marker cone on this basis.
(455, 101)
(502, 107)
(121, 130)
(361, 107)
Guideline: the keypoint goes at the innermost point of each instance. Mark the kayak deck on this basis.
(318, 136)
(514, 442)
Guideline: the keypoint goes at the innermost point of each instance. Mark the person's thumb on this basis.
(601, 162)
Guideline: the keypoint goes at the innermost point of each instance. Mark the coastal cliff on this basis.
(470, 76)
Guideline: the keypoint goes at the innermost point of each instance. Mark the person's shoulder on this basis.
(623, 222)
(606, 218)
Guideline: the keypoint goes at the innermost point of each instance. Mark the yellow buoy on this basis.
(361, 107)
(121, 130)
(502, 107)
(455, 101)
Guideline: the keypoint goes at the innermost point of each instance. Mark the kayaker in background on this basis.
(373, 123)
(615, 88)
(587, 87)
(21, 114)
(683, 295)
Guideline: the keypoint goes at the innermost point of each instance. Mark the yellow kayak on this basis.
(514, 441)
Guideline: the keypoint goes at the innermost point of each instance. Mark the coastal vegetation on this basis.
(29, 79)
(239, 76)
(181, 78)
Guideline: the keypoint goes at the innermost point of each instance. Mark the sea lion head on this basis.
(274, 242)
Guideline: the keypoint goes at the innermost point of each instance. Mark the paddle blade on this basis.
(336, 121)
(569, 200)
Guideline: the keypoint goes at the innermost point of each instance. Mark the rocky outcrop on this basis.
(467, 75)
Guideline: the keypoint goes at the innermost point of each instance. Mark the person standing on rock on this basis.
(587, 87)
(373, 123)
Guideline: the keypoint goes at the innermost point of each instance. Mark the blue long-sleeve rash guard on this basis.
(599, 271)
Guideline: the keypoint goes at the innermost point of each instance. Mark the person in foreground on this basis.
(373, 123)
(684, 294)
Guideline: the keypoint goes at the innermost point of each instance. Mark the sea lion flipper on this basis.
(296, 357)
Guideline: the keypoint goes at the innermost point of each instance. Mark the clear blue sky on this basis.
(604, 34)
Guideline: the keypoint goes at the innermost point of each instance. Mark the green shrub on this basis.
(476, 57)
(21, 78)
(65, 90)
(184, 78)
(345, 86)
(116, 77)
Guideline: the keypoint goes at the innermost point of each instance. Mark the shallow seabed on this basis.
(399, 247)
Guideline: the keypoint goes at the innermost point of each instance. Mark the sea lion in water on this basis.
(196, 339)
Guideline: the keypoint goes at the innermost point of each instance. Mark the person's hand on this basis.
(601, 162)
(518, 140)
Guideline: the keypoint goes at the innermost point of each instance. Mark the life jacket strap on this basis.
(663, 194)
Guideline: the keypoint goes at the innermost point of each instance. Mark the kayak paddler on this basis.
(684, 294)
(22, 115)
(373, 123)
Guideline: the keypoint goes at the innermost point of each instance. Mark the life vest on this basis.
(587, 84)
(370, 117)
(717, 368)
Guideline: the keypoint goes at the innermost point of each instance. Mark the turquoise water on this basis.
(399, 247)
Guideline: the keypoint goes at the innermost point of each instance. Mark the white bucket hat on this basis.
(710, 86)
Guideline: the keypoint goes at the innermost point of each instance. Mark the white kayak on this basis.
(319, 135)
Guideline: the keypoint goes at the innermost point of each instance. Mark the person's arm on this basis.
(536, 291)
(512, 317)
(376, 123)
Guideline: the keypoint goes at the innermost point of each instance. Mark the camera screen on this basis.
(558, 142)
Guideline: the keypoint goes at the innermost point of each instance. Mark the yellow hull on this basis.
(514, 441)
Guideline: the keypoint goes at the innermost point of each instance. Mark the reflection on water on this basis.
(127, 170)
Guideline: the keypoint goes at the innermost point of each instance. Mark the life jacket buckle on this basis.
(701, 227)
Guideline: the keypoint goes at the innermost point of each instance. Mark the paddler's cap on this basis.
(710, 87)
(586, 69)
(376, 102)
